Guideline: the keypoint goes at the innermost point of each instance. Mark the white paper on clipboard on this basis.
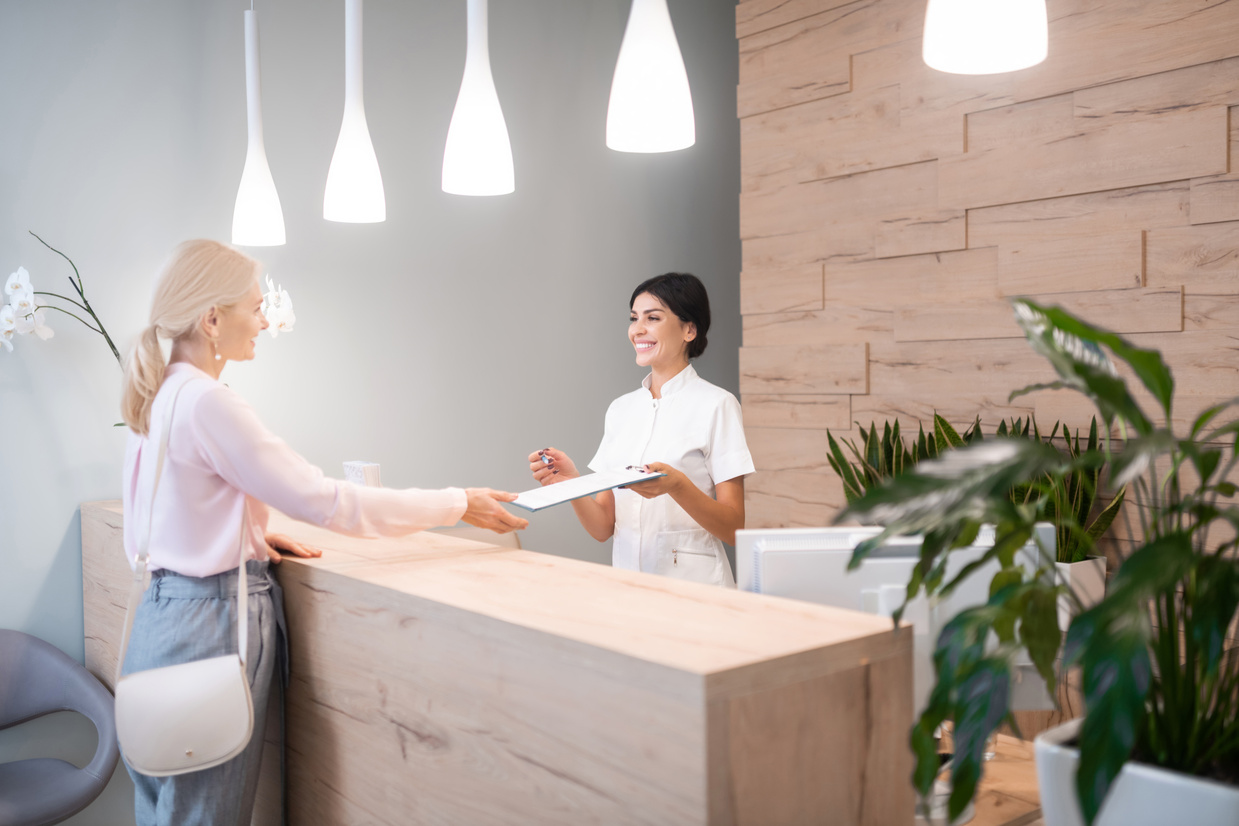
(566, 491)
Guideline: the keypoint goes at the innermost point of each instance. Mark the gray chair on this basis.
(36, 679)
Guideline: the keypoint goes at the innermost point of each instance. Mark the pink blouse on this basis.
(219, 456)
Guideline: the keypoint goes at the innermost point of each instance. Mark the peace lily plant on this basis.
(1159, 686)
(23, 313)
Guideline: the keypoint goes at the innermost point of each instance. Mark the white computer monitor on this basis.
(811, 564)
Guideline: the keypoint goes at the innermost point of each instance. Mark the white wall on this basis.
(446, 343)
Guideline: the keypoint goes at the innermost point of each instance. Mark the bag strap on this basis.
(141, 577)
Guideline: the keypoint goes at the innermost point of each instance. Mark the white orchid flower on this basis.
(277, 307)
(18, 282)
(8, 325)
(22, 302)
(36, 323)
(40, 326)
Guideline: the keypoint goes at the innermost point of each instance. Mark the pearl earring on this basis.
(215, 347)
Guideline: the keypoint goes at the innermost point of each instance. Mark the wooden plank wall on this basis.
(888, 209)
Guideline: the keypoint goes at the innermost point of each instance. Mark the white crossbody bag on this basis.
(188, 717)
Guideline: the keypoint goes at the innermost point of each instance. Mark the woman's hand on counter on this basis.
(672, 483)
(484, 511)
(559, 468)
(278, 542)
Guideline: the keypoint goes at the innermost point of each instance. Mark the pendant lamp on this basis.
(478, 156)
(651, 107)
(354, 186)
(983, 37)
(257, 220)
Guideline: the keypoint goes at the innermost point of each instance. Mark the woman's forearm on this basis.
(597, 514)
(722, 517)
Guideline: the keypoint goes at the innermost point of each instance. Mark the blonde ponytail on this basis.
(199, 275)
(144, 369)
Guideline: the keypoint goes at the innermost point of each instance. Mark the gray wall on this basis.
(446, 343)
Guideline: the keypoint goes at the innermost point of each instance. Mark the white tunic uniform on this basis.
(696, 428)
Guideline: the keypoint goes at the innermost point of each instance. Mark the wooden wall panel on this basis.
(1118, 154)
(779, 448)
(1128, 311)
(1100, 180)
(1084, 216)
(781, 290)
(808, 411)
(805, 368)
(838, 324)
(808, 58)
(888, 283)
(1099, 41)
(1203, 258)
(753, 16)
(1215, 198)
(1114, 260)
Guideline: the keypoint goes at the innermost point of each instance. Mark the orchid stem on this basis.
(63, 298)
(66, 312)
(84, 304)
(78, 286)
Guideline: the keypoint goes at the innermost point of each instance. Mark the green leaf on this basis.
(1213, 608)
(945, 435)
(1106, 518)
(1206, 461)
(970, 483)
(1116, 677)
(1004, 625)
(1073, 347)
(852, 488)
(1151, 569)
(1039, 630)
(982, 705)
(1208, 414)
(1137, 454)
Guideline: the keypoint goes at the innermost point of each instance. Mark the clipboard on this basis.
(560, 492)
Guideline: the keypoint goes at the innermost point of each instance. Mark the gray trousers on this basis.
(182, 619)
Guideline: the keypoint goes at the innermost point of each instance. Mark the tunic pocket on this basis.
(693, 555)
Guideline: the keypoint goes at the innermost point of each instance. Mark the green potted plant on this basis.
(1072, 504)
(1161, 693)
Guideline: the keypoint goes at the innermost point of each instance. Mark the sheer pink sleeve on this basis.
(252, 459)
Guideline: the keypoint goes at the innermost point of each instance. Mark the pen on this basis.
(546, 460)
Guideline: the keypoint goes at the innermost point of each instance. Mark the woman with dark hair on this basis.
(679, 424)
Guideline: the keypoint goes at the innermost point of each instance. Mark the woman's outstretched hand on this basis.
(559, 468)
(484, 511)
(277, 542)
(672, 482)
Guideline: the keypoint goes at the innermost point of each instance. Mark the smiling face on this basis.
(237, 326)
(658, 335)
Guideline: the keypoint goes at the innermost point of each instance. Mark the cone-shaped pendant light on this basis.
(257, 220)
(478, 156)
(354, 186)
(984, 37)
(651, 107)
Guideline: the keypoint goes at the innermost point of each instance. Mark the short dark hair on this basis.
(684, 295)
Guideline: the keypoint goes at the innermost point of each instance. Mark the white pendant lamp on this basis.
(983, 37)
(257, 220)
(354, 186)
(651, 107)
(478, 156)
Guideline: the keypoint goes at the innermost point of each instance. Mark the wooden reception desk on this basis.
(439, 680)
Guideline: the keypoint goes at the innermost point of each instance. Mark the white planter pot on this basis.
(1087, 579)
(1141, 796)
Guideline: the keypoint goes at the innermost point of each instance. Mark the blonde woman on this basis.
(222, 469)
